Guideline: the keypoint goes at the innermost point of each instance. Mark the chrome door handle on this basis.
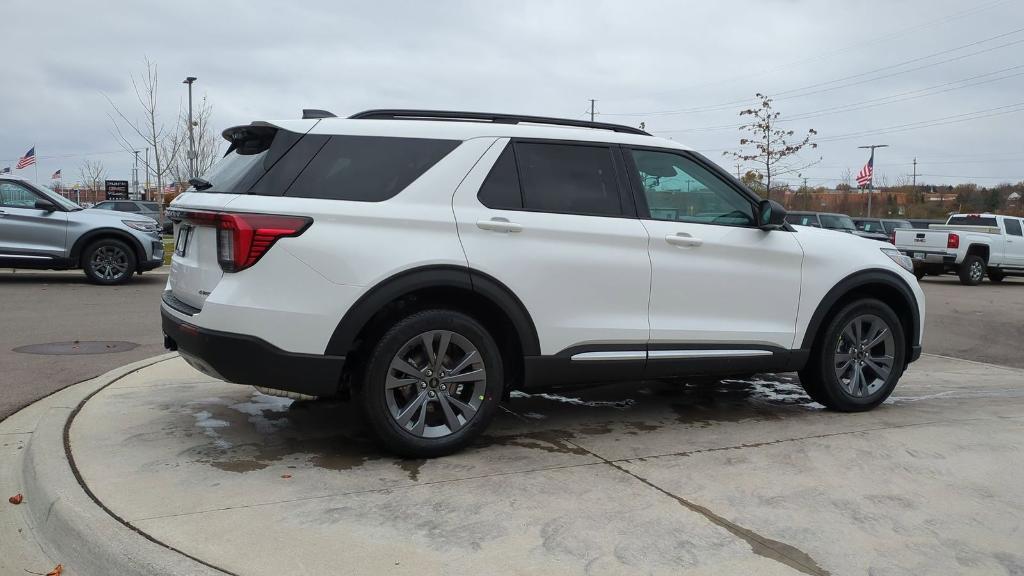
(499, 224)
(683, 239)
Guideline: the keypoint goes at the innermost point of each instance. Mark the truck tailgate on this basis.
(912, 240)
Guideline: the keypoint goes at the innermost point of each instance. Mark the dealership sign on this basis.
(116, 189)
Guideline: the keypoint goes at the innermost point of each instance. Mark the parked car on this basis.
(427, 263)
(970, 245)
(880, 228)
(40, 229)
(830, 221)
(150, 209)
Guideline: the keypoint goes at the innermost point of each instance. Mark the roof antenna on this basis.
(311, 113)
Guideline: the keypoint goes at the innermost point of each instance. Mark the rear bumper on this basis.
(244, 359)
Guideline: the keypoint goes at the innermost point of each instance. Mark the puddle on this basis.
(261, 430)
(267, 430)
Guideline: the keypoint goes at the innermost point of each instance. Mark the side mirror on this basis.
(45, 205)
(770, 215)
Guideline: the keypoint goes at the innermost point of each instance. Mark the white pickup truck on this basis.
(970, 245)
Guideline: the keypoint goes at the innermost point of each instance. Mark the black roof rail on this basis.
(310, 113)
(458, 116)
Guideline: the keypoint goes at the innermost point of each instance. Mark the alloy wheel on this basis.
(864, 355)
(109, 262)
(435, 384)
(977, 271)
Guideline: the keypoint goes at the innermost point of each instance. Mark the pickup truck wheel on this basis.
(432, 384)
(972, 270)
(859, 358)
(995, 275)
(108, 261)
(920, 273)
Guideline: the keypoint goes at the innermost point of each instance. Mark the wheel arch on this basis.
(479, 294)
(101, 233)
(883, 285)
(981, 250)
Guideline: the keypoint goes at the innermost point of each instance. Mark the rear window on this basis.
(891, 225)
(368, 168)
(869, 226)
(267, 161)
(836, 222)
(972, 220)
(802, 219)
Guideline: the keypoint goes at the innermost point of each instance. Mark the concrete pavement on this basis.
(732, 477)
(42, 307)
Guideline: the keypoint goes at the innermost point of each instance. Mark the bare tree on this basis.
(767, 147)
(207, 142)
(93, 174)
(151, 130)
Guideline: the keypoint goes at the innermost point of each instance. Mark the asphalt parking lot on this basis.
(720, 477)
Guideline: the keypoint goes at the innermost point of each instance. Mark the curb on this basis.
(68, 523)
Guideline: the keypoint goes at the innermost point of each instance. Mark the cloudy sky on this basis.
(939, 80)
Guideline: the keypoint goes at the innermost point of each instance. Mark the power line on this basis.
(956, 118)
(793, 93)
(899, 33)
(872, 102)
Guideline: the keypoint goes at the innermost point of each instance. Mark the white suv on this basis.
(426, 263)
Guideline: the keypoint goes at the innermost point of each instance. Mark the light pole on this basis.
(871, 178)
(191, 137)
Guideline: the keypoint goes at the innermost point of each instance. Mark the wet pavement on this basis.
(733, 476)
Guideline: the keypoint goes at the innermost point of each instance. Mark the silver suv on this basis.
(40, 229)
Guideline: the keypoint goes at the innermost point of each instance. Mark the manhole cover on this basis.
(77, 347)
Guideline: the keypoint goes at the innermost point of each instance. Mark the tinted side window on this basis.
(126, 207)
(1013, 226)
(149, 206)
(501, 188)
(678, 188)
(368, 168)
(568, 179)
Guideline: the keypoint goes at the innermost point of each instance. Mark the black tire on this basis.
(920, 273)
(995, 275)
(969, 270)
(376, 402)
(819, 378)
(108, 261)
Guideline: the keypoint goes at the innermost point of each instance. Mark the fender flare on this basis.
(875, 276)
(87, 238)
(409, 281)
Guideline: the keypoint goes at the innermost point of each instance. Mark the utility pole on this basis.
(871, 180)
(591, 109)
(738, 166)
(135, 175)
(914, 175)
(192, 139)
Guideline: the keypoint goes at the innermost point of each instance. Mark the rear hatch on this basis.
(208, 238)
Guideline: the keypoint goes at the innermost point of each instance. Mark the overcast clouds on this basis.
(265, 60)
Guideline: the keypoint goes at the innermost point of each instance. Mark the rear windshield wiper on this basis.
(199, 183)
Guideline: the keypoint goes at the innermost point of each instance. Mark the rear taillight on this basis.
(953, 241)
(892, 237)
(243, 238)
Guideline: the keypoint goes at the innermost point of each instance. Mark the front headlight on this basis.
(901, 259)
(142, 225)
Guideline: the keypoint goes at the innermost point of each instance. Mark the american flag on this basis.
(28, 159)
(864, 177)
(56, 175)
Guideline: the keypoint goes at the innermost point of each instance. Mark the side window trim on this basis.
(643, 210)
